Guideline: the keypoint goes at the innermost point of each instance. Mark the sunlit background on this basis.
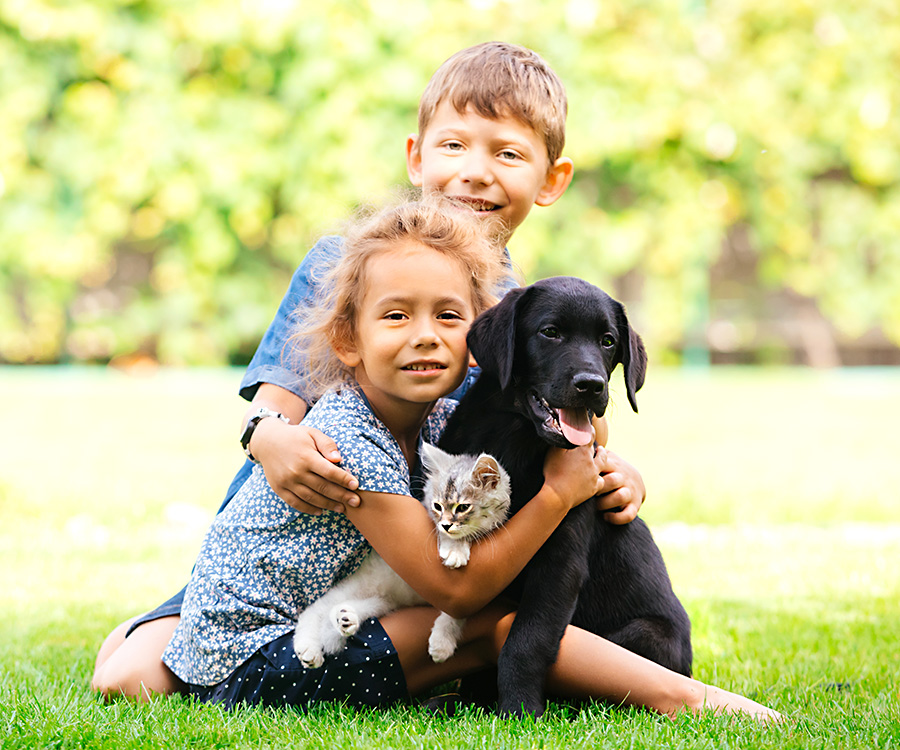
(165, 164)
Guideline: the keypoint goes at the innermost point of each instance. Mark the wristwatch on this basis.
(254, 420)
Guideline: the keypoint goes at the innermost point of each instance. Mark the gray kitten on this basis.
(467, 497)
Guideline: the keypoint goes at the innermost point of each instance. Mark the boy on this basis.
(491, 131)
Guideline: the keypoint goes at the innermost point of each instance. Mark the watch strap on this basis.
(254, 420)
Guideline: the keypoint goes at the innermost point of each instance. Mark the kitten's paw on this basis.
(345, 619)
(309, 653)
(440, 647)
(455, 557)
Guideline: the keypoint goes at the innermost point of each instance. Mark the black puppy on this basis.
(547, 352)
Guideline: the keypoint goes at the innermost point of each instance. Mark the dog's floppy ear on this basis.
(492, 337)
(631, 354)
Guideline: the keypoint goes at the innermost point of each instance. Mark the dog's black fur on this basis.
(555, 344)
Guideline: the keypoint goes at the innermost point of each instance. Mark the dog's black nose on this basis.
(589, 383)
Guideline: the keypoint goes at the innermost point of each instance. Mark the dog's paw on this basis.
(309, 653)
(512, 710)
(455, 557)
(345, 619)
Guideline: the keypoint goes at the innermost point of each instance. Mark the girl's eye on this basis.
(607, 341)
(395, 316)
(550, 332)
(449, 315)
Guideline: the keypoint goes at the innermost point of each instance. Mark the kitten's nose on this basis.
(446, 526)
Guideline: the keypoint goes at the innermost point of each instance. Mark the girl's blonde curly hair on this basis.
(434, 222)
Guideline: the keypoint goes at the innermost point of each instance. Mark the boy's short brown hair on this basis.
(498, 80)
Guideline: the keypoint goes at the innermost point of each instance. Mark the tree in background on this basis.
(164, 165)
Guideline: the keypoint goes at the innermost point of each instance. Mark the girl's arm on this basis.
(399, 528)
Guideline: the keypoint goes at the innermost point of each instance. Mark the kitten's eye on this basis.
(607, 341)
(463, 507)
(436, 507)
(550, 332)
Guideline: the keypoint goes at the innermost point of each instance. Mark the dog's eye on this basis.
(607, 341)
(550, 332)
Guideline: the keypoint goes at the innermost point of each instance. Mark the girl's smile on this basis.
(425, 367)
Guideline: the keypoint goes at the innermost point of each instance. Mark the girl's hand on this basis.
(574, 474)
(623, 490)
(301, 466)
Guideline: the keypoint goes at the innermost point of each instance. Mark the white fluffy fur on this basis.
(375, 589)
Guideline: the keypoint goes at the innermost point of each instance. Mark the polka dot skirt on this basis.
(366, 673)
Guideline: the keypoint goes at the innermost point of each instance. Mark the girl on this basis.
(390, 343)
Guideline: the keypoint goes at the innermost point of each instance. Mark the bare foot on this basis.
(724, 702)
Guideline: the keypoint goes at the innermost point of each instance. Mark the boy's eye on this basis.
(509, 155)
(453, 146)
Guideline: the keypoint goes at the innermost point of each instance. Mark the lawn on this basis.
(773, 495)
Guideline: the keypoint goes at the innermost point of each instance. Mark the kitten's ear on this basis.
(432, 457)
(486, 472)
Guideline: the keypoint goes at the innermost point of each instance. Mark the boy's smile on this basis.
(410, 332)
(497, 167)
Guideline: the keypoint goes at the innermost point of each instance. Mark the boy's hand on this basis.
(623, 490)
(300, 465)
(574, 474)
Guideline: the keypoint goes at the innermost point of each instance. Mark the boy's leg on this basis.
(134, 667)
(587, 666)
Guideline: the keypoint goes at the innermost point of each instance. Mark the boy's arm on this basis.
(273, 362)
(299, 462)
(623, 491)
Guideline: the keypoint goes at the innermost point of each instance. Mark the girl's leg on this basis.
(409, 630)
(115, 639)
(587, 667)
(133, 666)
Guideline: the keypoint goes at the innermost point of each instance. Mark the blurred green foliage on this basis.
(165, 163)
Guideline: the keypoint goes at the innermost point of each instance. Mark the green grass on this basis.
(773, 494)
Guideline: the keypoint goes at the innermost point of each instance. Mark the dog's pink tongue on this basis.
(576, 426)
